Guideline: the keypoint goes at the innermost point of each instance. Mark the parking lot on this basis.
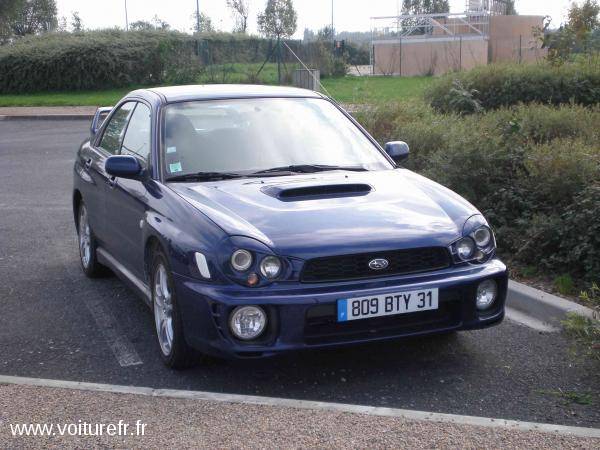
(58, 324)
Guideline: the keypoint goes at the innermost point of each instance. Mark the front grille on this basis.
(352, 267)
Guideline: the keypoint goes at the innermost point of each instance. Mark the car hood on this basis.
(338, 212)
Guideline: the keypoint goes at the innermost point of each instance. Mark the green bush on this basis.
(533, 170)
(496, 86)
(109, 59)
(94, 60)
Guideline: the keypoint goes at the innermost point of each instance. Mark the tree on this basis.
(425, 6)
(279, 19)
(76, 23)
(205, 23)
(156, 24)
(326, 33)
(160, 24)
(510, 8)
(33, 16)
(141, 25)
(420, 26)
(240, 10)
(309, 35)
(584, 19)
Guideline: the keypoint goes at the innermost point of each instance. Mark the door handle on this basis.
(88, 163)
(112, 182)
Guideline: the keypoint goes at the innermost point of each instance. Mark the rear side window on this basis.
(113, 134)
(137, 136)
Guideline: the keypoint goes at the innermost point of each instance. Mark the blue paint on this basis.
(402, 210)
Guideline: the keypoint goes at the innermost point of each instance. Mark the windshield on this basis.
(251, 135)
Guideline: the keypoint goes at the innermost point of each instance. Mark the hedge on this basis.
(533, 170)
(495, 86)
(115, 58)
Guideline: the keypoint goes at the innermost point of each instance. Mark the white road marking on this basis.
(306, 404)
(529, 321)
(121, 347)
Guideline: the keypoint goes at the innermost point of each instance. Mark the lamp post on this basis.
(197, 16)
(126, 18)
(332, 32)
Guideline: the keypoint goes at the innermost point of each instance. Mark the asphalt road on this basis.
(55, 323)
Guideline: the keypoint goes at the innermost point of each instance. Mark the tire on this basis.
(87, 246)
(174, 350)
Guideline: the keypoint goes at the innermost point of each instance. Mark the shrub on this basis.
(115, 58)
(496, 86)
(533, 170)
(93, 60)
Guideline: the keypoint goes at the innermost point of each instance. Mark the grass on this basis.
(376, 89)
(78, 98)
(569, 397)
(345, 90)
(585, 331)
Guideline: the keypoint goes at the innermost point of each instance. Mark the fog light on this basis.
(247, 322)
(486, 294)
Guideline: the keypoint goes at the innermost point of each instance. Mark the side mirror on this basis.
(397, 150)
(123, 166)
(98, 120)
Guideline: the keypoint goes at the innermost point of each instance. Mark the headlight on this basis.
(247, 322)
(486, 294)
(482, 237)
(270, 267)
(465, 248)
(241, 260)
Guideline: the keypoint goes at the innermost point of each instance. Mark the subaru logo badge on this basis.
(378, 263)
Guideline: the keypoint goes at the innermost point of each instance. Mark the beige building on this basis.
(436, 44)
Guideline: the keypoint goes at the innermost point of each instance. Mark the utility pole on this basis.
(332, 32)
(197, 16)
(126, 18)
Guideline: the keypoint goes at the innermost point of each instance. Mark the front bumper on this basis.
(303, 316)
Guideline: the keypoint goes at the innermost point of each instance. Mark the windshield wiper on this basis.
(206, 176)
(310, 168)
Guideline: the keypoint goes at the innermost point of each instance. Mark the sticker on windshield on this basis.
(171, 149)
(175, 167)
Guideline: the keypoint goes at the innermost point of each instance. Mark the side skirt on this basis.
(125, 275)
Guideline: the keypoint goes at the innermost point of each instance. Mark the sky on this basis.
(349, 15)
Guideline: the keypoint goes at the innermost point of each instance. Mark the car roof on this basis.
(224, 91)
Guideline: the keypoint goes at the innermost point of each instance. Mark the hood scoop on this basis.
(294, 194)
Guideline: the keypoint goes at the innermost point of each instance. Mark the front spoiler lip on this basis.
(272, 351)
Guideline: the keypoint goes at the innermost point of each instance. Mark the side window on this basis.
(113, 134)
(137, 136)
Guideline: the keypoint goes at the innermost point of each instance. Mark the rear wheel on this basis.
(174, 350)
(87, 246)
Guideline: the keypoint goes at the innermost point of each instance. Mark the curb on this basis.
(47, 117)
(406, 414)
(543, 306)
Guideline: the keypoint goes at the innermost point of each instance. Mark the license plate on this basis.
(387, 304)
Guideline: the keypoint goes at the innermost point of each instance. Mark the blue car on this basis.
(258, 220)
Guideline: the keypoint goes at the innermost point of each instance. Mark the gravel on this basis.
(183, 423)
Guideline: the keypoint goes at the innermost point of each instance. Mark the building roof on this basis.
(224, 91)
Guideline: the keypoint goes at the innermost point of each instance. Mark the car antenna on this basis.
(309, 71)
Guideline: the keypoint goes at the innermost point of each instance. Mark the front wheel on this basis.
(87, 246)
(175, 352)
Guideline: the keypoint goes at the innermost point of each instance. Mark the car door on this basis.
(127, 199)
(94, 159)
